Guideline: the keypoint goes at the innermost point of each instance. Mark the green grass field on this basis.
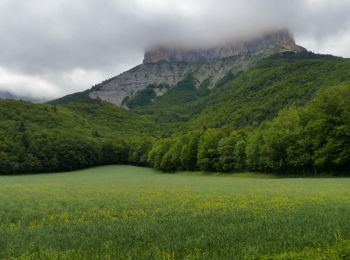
(118, 212)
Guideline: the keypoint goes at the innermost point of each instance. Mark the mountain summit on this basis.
(164, 68)
(268, 41)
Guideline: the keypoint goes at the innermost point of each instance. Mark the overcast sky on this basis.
(54, 47)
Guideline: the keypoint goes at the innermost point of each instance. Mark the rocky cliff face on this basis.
(267, 41)
(164, 66)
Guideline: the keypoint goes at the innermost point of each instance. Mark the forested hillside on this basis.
(267, 118)
(310, 139)
(36, 138)
(250, 97)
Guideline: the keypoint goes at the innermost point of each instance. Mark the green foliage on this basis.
(185, 91)
(328, 127)
(226, 79)
(164, 108)
(159, 149)
(76, 97)
(232, 152)
(188, 157)
(139, 149)
(141, 98)
(278, 137)
(208, 153)
(173, 154)
(41, 138)
(268, 118)
(254, 95)
(311, 139)
(314, 138)
(340, 250)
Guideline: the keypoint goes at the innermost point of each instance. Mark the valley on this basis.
(194, 130)
(134, 212)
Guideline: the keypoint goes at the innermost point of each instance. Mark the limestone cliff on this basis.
(164, 66)
(268, 41)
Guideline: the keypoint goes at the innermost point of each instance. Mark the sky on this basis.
(55, 47)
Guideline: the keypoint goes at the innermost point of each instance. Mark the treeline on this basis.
(49, 138)
(52, 152)
(312, 139)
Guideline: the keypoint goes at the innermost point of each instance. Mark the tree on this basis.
(139, 149)
(240, 155)
(208, 154)
(254, 145)
(232, 156)
(328, 128)
(157, 152)
(280, 135)
(189, 151)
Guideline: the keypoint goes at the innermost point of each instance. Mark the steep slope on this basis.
(164, 68)
(255, 95)
(310, 139)
(42, 137)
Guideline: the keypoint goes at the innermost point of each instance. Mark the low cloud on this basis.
(55, 47)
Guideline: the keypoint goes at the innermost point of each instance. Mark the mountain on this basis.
(8, 95)
(266, 42)
(164, 68)
(251, 96)
(274, 108)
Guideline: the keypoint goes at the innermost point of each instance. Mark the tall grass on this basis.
(118, 212)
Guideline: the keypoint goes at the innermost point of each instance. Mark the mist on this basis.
(55, 47)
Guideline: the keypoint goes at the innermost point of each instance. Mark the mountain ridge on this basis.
(165, 70)
(269, 40)
(252, 115)
(9, 95)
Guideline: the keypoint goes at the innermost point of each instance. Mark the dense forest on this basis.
(289, 114)
(311, 139)
(45, 137)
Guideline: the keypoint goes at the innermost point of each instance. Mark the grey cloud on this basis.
(66, 46)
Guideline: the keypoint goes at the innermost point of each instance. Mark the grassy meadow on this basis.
(126, 212)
